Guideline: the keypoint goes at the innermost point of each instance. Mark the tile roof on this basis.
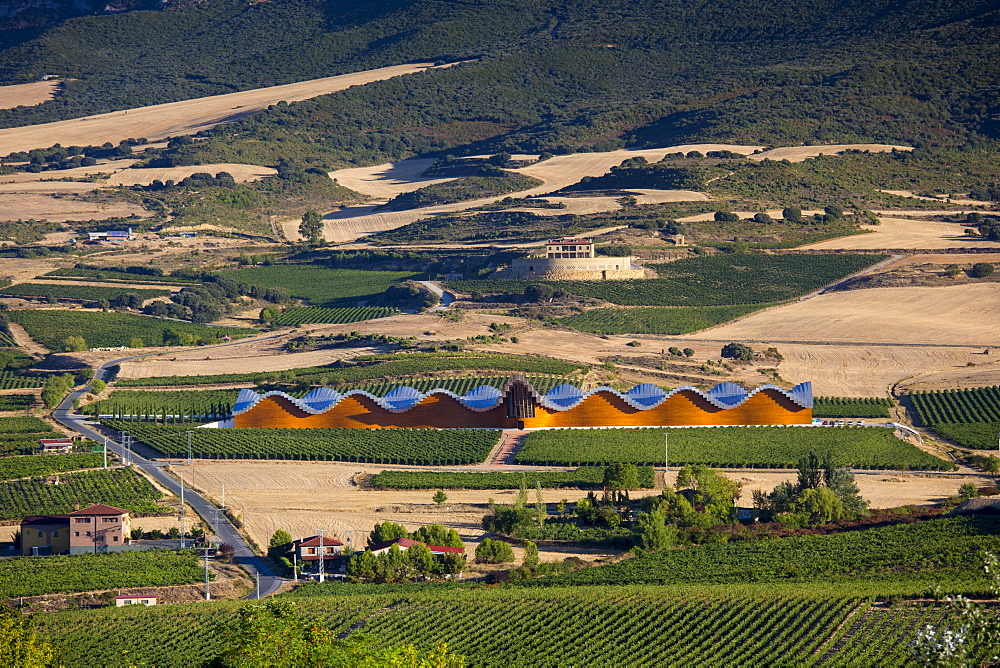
(100, 509)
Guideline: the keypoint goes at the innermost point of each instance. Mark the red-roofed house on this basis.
(403, 543)
(308, 551)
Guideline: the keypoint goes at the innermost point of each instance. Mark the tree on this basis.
(74, 344)
(491, 551)
(438, 534)
(311, 227)
(385, 532)
(834, 210)
(619, 478)
(98, 386)
(820, 504)
(280, 543)
(19, 642)
(136, 342)
(792, 214)
(981, 270)
(968, 491)
(420, 559)
(726, 217)
(654, 534)
(737, 351)
(538, 292)
(952, 270)
(440, 497)
(763, 218)
(362, 566)
(530, 555)
(688, 352)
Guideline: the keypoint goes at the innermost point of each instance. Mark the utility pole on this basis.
(295, 565)
(208, 594)
(105, 452)
(322, 555)
(189, 447)
(183, 511)
(258, 585)
(666, 457)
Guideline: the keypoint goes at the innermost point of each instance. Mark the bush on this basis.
(981, 270)
(494, 552)
(737, 351)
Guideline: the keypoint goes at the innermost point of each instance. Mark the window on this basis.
(311, 550)
(77, 533)
(40, 534)
(116, 539)
(109, 519)
(88, 533)
(55, 534)
(82, 520)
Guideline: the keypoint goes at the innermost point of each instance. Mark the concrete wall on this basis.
(578, 269)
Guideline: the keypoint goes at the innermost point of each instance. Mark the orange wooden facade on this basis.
(602, 409)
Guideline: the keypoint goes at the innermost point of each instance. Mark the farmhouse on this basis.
(112, 235)
(570, 258)
(308, 552)
(404, 543)
(98, 528)
(56, 445)
(519, 405)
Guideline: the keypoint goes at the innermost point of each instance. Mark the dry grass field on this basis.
(959, 315)
(800, 153)
(60, 208)
(132, 177)
(185, 117)
(27, 95)
(906, 230)
(301, 497)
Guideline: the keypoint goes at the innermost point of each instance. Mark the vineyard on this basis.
(435, 447)
(742, 447)
(371, 368)
(656, 320)
(115, 274)
(20, 435)
(91, 293)
(16, 402)
(11, 381)
(33, 576)
(122, 488)
(317, 315)
(165, 405)
(978, 405)
(850, 407)
(319, 285)
(594, 626)
(585, 477)
(970, 418)
(23, 467)
(709, 280)
(936, 550)
(51, 328)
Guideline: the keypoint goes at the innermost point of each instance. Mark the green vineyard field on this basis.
(753, 447)
(79, 292)
(585, 477)
(317, 315)
(710, 280)
(122, 488)
(34, 465)
(851, 407)
(114, 274)
(16, 402)
(12, 381)
(33, 576)
(321, 286)
(105, 330)
(977, 435)
(656, 320)
(377, 446)
(977, 405)
(20, 435)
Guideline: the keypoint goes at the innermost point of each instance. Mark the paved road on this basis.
(221, 527)
(446, 297)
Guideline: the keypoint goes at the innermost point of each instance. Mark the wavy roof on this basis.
(559, 398)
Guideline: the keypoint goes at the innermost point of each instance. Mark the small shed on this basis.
(56, 445)
(134, 599)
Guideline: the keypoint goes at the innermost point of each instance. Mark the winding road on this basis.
(211, 514)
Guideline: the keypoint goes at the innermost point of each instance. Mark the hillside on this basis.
(553, 75)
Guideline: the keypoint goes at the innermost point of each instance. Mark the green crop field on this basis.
(656, 320)
(108, 330)
(9, 380)
(852, 407)
(709, 280)
(317, 315)
(970, 418)
(754, 447)
(377, 446)
(181, 406)
(949, 549)
(33, 576)
(20, 435)
(35, 465)
(321, 286)
(122, 488)
(115, 274)
(375, 367)
(585, 477)
(91, 293)
(16, 402)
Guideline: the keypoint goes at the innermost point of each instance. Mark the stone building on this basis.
(571, 259)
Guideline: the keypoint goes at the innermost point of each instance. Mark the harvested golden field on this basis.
(383, 182)
(28, 95)
(132, 177)
(800, 153)
(185, 117)
(301, 497)
(62, 208)
(903, 230)
(958, 315)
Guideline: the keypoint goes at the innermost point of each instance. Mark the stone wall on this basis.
(573, 269)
